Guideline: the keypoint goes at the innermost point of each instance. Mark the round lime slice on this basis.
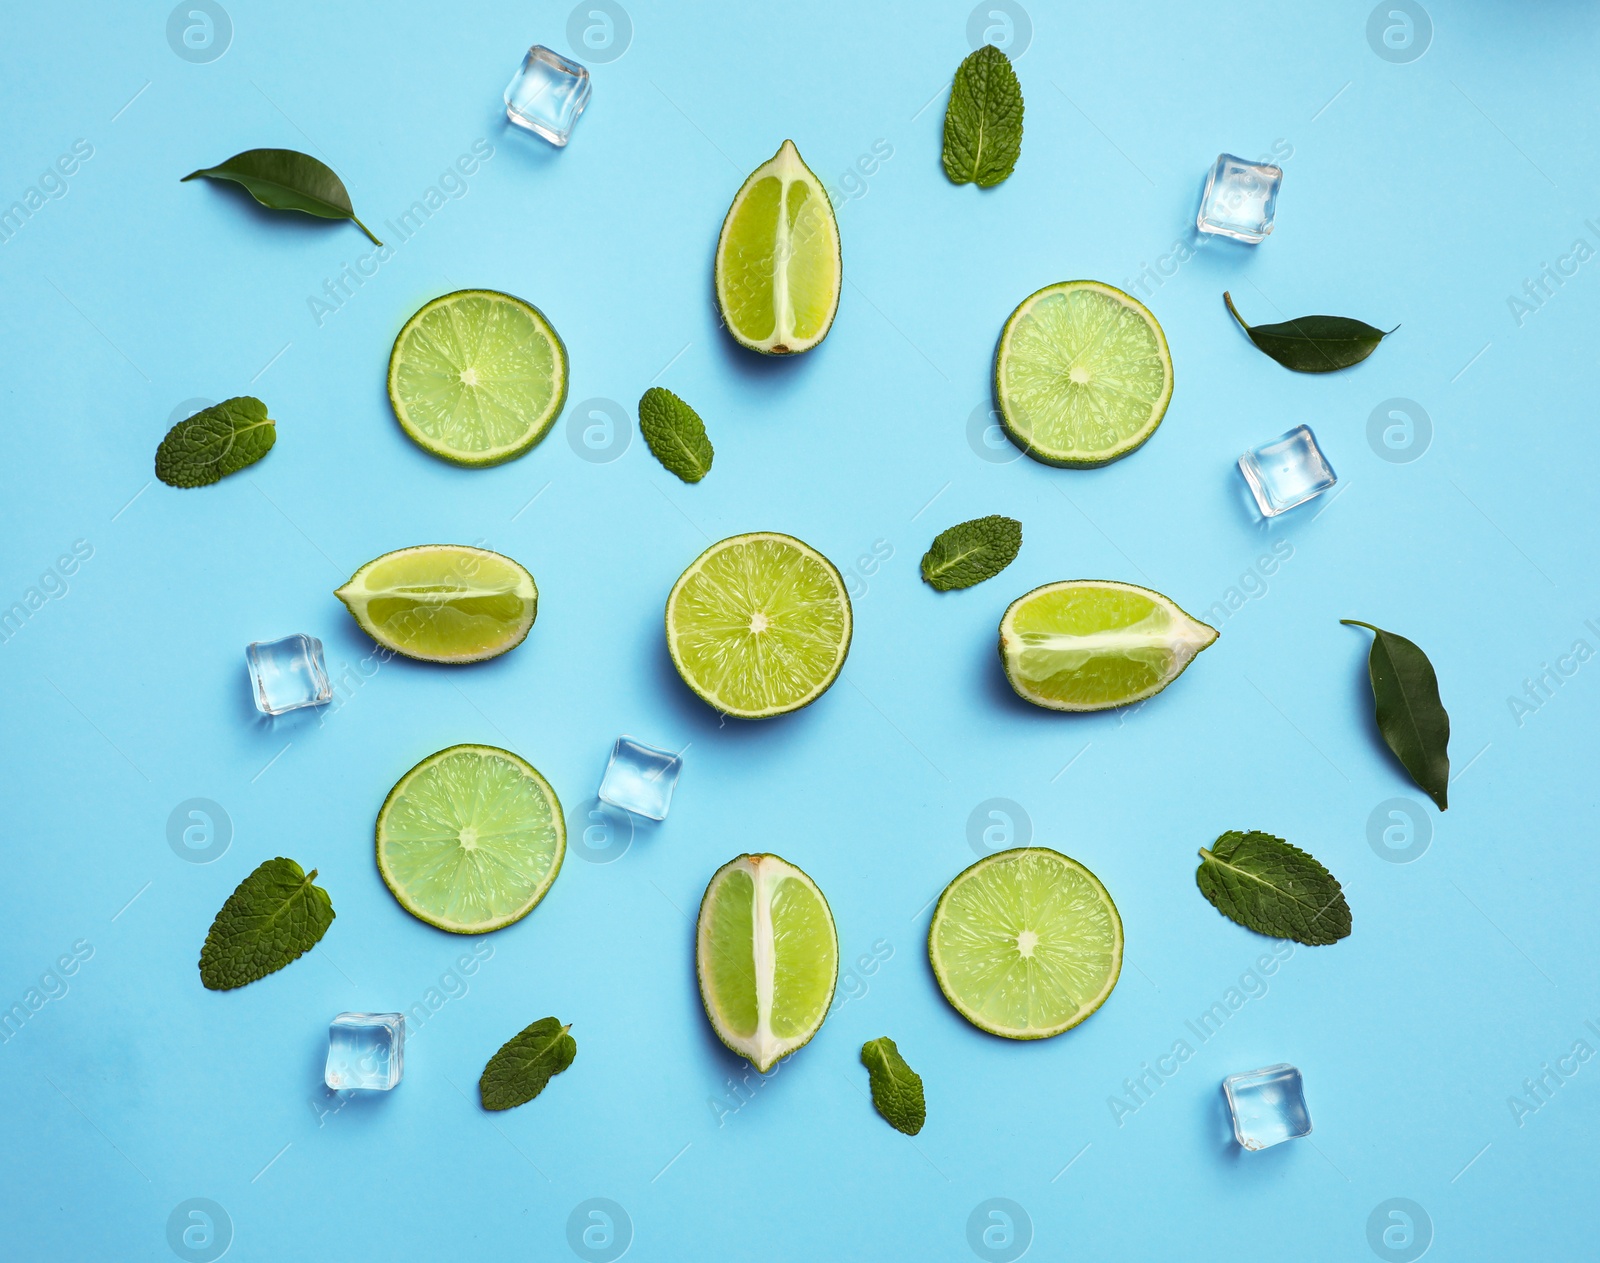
(477, 377)
(1026, 943)
(470, 839)
(1082, 375)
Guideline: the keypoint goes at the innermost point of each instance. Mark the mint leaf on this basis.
(212, 444)
(675, 433)
(983, 122)
(896, 1087)
(1412, 719)
(285, 179)
(1313, 344)
(274, 917)
(971, 552)
(1274, 888)
(525, 1063)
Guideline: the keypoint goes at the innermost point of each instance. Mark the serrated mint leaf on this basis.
(896, 1087)
(971, 552)
(274, 917)
(528, 1060)
(1412, 719)
(675, 433)
(1274, 888)
(983, 122)
(216, 442)
(1313, 344)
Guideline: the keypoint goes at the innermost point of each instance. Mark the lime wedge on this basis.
(778, 263)
(443, 602)
(759, 625)
(477, 377)
(1082, 374)
(1026, 943)
(767, 956)
(1091, 644)
(470, 839)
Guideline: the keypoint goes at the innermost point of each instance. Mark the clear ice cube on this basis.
(287, 674)
(1268, 1106)
(640, 778)
(365, 1051)
(1287, 471)
(547, 94)
(1239, 199)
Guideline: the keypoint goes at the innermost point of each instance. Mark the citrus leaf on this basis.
(285, 179)
(216, 442)
(1313, 344)
(1412, 719)
(971, 552)
(274, 917)
(525, 1063)
(1274, 888)
(896, 1087)
(675, 433)
(983, 122)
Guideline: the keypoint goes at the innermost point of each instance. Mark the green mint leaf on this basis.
(284, 179)
(971, 552)
(527, 1061)
(1274, 888)
(274, 917)
(896, 1087)
(983, 122)
(1412, 719)
(212, 444)
(675, 433)
(1313, 344)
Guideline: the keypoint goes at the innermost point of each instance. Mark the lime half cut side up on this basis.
(767, 956)
(778, 266)
(470, 839)
(443, 602)
(1092, 644)
(1026, 943)
(759, 625)
(1082, 375)
(477, 377)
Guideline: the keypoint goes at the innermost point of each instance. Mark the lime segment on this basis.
(767, 956)
(470, 839)
(477, 377)
(1026, 943)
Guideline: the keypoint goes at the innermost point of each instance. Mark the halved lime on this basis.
(470, 839)
(759, 625)
(1091, 644)
(767, 956)
(1082, 375)
(1026, 943)
(477, 377)
(778, 264)
(443, 602)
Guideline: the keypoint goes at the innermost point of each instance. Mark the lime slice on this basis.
(443, 602)
(767, 956)
(1082, 374)
(759, 625)
(1026, 943)
(778, 262)
(1091, 644)
(477, 377)
(470, 839)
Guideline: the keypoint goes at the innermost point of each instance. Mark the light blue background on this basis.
(1419, 194)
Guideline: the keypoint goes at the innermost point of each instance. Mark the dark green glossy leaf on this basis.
(284, 179)
(1412, 719)
(527, 1061)
(1274, 888)
(215, 442)
(1313, 344)
(274, 917)
(983, 122)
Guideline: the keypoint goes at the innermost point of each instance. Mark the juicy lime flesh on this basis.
(1027, 943)
(1083, 376)
(476, 374)
(804, 949)
(811, 259)
(442, 602)
(749, 271)
(471, 839)
(732, 973)
(760, 625)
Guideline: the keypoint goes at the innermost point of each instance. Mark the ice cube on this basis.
(1287, 471)
(640, 778)
(1268, 1106)
(287, 674)
(1239, 199)
(547, 94)
(365, 1051)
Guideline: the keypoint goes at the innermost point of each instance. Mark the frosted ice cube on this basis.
(365, 1051)
(547, 94)
(1268, 1106)
(287, 674)
(1287, 471)
(1239, 199)
(640, 778)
